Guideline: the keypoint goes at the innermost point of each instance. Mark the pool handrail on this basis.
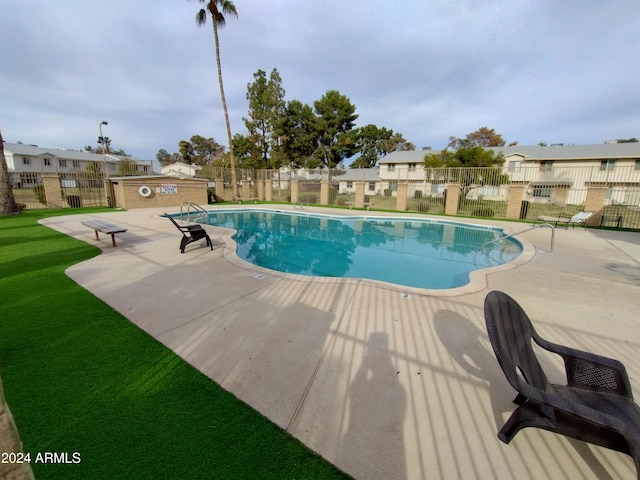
(201, 215)
(553, 235)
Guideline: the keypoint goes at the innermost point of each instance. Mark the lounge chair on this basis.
(595, 406)
(579, 218)
(190, 233)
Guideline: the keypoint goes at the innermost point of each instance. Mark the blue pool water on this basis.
(412, 252)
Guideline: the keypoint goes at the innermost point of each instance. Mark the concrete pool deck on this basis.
(383, 381)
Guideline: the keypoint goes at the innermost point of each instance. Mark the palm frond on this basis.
(201, 17)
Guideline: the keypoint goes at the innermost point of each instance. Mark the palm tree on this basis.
(8, 204)
(218, 9)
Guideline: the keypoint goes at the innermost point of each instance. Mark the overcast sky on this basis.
(559, 71)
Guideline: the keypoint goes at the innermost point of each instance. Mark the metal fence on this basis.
(557, 191)
(77, 189)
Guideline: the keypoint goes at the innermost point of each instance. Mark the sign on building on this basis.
(169, 189)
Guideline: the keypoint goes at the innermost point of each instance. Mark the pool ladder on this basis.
(198, 214)
(553, 235)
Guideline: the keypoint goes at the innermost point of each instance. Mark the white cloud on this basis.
(534, 71)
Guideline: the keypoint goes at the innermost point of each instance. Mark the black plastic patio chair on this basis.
(595, 406)
(190, 233)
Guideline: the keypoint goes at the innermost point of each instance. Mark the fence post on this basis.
(324, 192)
(246, 189)
(452, 199)
(514, 200)
(268, 190)
(401, 196)
(359, 200)
(295, 191)
(219, 189)
(595, 203)
(259, 189)
(52, 190)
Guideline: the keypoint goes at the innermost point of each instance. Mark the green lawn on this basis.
(79, 377)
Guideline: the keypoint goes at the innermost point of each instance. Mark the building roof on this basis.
(34, 150)
(354, 174)
(536, 152)
(182, 165)
(406, 156)
(573, 152)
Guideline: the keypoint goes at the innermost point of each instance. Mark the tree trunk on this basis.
(232, 160)
(8, 204)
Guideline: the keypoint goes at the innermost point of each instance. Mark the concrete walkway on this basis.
(385, 382)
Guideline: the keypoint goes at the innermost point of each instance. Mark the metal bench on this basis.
(104, 227)
(247, 199)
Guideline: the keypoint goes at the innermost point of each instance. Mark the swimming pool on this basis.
(420, 253)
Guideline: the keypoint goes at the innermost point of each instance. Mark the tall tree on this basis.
(297, 134)
(217, 10)
(186, 151)
(163, 157)
(372, 143)
(205, 150)
(484, 161)
(266, 110)
(483, 137)
(247, 152)
(335, 119)
(8, 204)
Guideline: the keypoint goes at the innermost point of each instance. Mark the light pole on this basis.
(103, 140)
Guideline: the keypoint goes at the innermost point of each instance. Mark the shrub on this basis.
(482, 212)
(422, 207)
(308, 198)
(333, 194)
(387, 192)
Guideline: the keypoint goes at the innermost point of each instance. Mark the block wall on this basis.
(164, 191)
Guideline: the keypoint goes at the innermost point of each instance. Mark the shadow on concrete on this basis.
(377, 404)
(470, 347)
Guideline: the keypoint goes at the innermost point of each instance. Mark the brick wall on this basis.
(163, 191)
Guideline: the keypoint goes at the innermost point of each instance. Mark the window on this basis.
(637, 165)
(372, 186)
(412, 167)
(62, 162)
(76, 164)
(349, 185)
(541, 192)
(514, 166)
(392, 168)
(26, 161)
(47, 162)
(546, 165)
(607, 165)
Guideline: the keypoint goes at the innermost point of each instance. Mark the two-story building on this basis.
(554, 173)
(25, 163)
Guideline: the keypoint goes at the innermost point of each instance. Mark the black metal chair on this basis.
(190, 233)
(595, 406)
